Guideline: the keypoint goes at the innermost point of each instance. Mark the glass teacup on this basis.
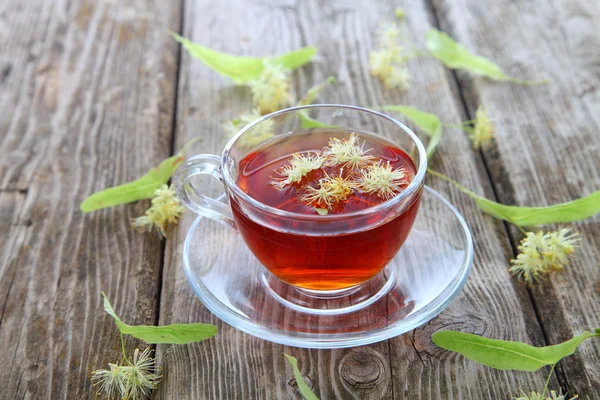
(323, 255)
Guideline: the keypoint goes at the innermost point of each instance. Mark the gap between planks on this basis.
(558, 373)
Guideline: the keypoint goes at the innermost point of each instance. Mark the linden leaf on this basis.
(428, 122)
(142, 188)
(507, 355)
(171, 334)
(302, 386)
(570, 211)
(242, 69)
(456, 56)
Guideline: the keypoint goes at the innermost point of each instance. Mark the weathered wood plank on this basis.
(490, 304)
(548, 144)
(87, 93)
(235, 365)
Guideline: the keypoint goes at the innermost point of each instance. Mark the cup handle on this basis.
(203, 164)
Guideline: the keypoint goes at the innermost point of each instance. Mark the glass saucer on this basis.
(421, 281)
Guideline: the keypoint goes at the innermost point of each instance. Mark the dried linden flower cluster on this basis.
(358, 171)
(133, 380)
(271, 91)
(388, 63)
(541, 253)
(166, 209)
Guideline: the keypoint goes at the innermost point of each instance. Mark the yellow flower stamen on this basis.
(331, 190)
(166, 209)
(271, 91)
(299, 166)
(382, 180)
(111, 382)
(347, 153)
(400, 14)
(141, 375)
(541, 253)
(483, 131)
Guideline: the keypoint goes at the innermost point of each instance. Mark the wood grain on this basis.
(87, 97)
(235, 365)
(547, 142)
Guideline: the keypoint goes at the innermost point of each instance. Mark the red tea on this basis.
(326, 172)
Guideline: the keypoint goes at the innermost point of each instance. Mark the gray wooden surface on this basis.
(93, 93)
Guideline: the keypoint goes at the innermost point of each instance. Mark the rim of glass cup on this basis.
(410, 189)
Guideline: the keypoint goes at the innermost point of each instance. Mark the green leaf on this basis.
(172, 334)
(142, 188)
(322, 211)
(428, 122)
(575, 210)
(242, 69)
(302, 386)
(456, 56)
(570, 211)
(507, 355)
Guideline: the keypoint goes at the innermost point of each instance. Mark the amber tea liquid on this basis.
(329, 261)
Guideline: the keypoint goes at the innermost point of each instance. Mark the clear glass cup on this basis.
(357, 244)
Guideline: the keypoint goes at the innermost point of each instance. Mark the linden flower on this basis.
(271, 91)
(300, 166)
(348, 153)
(388, 36)
(538, 396)
(258, 134)
(132, 382)
(382, 180)
(141, 375)
(331, 190)
(541, 253)
(166, 209)
(111, 381)
(483, 131)
(387, 63)
(400, 14)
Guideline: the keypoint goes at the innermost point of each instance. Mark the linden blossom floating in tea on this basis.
(339, 177)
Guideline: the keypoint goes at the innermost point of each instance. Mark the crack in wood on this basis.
(512, 234)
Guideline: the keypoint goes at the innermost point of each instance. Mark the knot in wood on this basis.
(364, 369)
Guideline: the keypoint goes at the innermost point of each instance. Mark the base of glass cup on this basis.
(330, 302)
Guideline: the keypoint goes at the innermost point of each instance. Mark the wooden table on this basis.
(95, 92)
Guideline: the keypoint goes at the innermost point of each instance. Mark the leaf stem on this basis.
(444, 177)
(528, 83)
(523, 231)
(548, 381)
(125, 359)
(416, 54)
